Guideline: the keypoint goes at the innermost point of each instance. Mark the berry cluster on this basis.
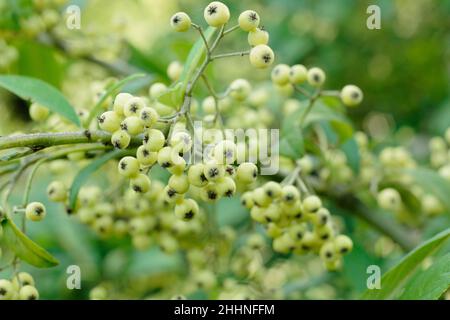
(297, 225)
(20, 287)
(217, 15)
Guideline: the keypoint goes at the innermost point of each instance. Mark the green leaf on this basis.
(433, 183)
(431, 283)
(351, 150)
(16, 153)
(291, 143)
(111, 90)
(25, 248)
(40, 92)
(395, 279)
(174, 95)
(86, 172)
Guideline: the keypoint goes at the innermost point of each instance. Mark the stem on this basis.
(302, 91)
(231, 54)
(200, 30)
(330, 93)
(230, 30)
(39, 141)
(312, 100)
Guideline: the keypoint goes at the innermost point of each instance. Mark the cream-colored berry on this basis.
(261, 56)
(247, 172)
(38, 112)
(120, 101)
(154, 139)
(128, 167)
(133, 125)
(216, 14)
(351, 95)
(157, 89)
(312, 204)
(179, 183)
(389, 199)
(240, 89)
(149, 116)
(180, 22)
(28, 293)
(6, 289)
(145, 156)
(141, 183)
(196, 175)
(174, 71)
(109, 121)
(120, 139)
(248, 20)
(316, 77)
(187, 209)
(298, 74)
(57, 191)
(257, 37)
(133, 106)
(280, 74)
(35, 211)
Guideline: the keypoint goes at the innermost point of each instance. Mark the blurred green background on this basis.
(403, 70)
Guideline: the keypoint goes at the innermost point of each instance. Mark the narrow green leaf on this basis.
(395, 279)
(431, 283)
(351, 151)
(16, 153)
(433, 183)
(25, 248)
(86, 172)
(41, 92)
(111, 90)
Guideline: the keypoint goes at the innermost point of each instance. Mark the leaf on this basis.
(87, 171)
(395, 279)
(15, 154)
(41, 92)
(111, 90)
(174, 95)
(433, 183)
(25, 248)
(351, 150)
(431, 283)
(291, 143)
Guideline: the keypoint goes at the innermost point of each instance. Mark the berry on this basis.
(196, 175)
(298, 74)
(248, 20)
(210, 192)
(179, 183)
(103, 225)
(174, 71)
(225, 152)
(213, 171)
(120, 101)
(149, 116)
(38, 112)
(261, 56)
(280, 74)
(272, 189)
(154, 139)
(316, 77)
(129, 167)
(171, 195)
(226, 187)
(181, 140)
(57, 191)
(290, 194)
(157, 89)
(351, 95)
(321, 217)
(98, 293)
(165, 157)
(140, 183)
(187, 209)
(389, 199)
(109, 121)
(260, 198)
(23, 279)
(343, 244)
(145, 156)
(120, 139)
(240, 89)
(133, 125)
(180, 22)
(247, 200)
(247, 172)
(205, 280)
(28, 293)
(328, 251)
(209, 105)
(296, 232)
(258, 37)
(35, 211)
(216, 14)
(6, 289)
(133, 106)
(312, 204)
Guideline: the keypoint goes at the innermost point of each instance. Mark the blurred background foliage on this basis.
(403, 69)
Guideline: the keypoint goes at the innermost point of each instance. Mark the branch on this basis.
(39, 141)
